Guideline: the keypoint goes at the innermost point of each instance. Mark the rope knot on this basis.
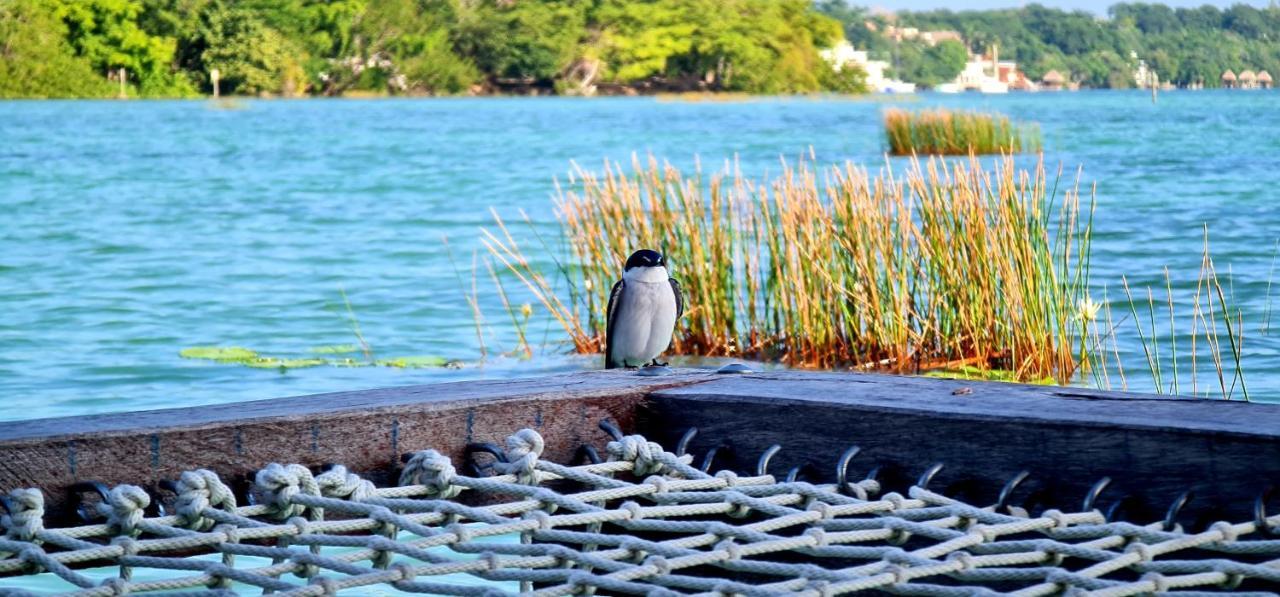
(1226, 529)
(433, 470)
(198, 491)
(326, 584)
(640, 451)
(818, 535)
(523, 449)
(124, 508)
(276, 485)
(118, 586)
(1142, 550)
(338, 483)
(659, 563)
(1158, 581)
(26, 514)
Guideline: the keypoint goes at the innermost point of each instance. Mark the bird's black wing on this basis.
(608, 329)
(675, 287)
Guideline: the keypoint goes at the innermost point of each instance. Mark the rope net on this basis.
(645, 522)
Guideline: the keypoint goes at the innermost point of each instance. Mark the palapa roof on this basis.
(1264, 76)
(1247, 75)
(1228, 76)
(1053, 76)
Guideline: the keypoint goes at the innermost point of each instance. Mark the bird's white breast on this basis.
(645, 316)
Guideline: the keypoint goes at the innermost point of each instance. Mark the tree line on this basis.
(168, 48)
(1185, 46)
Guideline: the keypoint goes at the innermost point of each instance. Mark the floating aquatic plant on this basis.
(415, 362)
(222, 354)
(236, 355)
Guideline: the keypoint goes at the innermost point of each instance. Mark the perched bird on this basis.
(643, 308)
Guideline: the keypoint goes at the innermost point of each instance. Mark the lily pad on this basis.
(416, 362)
(336, 349)
(275, 363)
(221, 354)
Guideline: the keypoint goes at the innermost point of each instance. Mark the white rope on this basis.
(664, 529)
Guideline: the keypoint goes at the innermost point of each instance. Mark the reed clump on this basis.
(948, 132)
(955, 264)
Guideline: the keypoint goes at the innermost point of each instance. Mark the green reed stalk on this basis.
(954, 265)
(946, 132)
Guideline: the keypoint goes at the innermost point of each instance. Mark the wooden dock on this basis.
(1153, 448)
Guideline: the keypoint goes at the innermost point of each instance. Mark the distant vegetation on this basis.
(1185, 46)
(944, 132)
(167, 48)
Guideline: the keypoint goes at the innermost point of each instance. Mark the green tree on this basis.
(249, 55)
(536, 40)
(106, 33)
(35, 58)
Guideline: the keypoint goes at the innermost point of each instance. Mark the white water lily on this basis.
(1088, 309)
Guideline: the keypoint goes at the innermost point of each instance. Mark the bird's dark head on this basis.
(645, 258)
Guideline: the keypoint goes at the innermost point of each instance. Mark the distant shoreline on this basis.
(692, 97)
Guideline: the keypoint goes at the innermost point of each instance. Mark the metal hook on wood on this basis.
(762, 465)
(77, 498)
(794, 474)
(474, 468)
(587, 453)
(927, 476)
(157, 505)
(613, 430)
(842, 471)
(1122, 505)
(1091, 497)
(1260, 511)
(1171, 516)
(682, 446)
(711, 456)
(1009, 487)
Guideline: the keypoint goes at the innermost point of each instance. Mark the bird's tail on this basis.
(608, 363)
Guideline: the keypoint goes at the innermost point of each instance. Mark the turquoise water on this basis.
(130, 230)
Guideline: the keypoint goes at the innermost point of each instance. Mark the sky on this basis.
(1095, 6)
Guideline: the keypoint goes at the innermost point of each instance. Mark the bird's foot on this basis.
(655, 363)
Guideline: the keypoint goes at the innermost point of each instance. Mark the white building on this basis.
(843, 53)
(989, 76)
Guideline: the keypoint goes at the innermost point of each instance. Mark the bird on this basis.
(643, 309)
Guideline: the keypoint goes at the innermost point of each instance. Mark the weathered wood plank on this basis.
(367, 431)
(1153, 447)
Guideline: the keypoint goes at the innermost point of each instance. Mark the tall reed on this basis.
(953, 264)
(947, 132)
(1212, 339)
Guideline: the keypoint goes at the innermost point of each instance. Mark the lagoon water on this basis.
(130, 230)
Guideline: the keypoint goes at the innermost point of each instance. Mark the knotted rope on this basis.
(25, 515)
(124, 508)
(338, 483)
(277, 484)
(523, 449)
(198, 491)
(432, 470)
(643, 523)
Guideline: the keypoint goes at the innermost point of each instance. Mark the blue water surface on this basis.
(130, 230)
